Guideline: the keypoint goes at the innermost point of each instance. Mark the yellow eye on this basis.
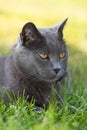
(62, 55)
(43, 55)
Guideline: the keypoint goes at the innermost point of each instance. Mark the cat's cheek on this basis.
(63, 63)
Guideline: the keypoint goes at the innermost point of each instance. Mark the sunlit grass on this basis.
(13, 15)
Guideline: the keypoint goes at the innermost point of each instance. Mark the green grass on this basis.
(72, 114)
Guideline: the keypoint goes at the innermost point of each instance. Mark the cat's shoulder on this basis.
(2, 58)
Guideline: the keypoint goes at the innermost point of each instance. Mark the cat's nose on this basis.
(56, 70)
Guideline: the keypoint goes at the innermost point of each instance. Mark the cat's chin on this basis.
(50, 80)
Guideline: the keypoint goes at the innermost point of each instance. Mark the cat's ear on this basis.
(60, 28)
(30, 34)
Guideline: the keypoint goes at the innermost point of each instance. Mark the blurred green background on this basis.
(15, 13)
(44, 13)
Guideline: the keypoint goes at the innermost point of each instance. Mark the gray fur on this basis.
(24, 70)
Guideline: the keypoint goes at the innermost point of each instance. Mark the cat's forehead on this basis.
(52, 40)
(49, 33)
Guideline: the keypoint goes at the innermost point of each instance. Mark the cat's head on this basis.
(42, 52)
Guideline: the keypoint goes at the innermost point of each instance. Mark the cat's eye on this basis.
(62, 55)
(43, 55)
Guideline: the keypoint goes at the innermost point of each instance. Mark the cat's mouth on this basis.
(51, 78)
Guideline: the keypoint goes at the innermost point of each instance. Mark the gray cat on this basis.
(38, 62)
